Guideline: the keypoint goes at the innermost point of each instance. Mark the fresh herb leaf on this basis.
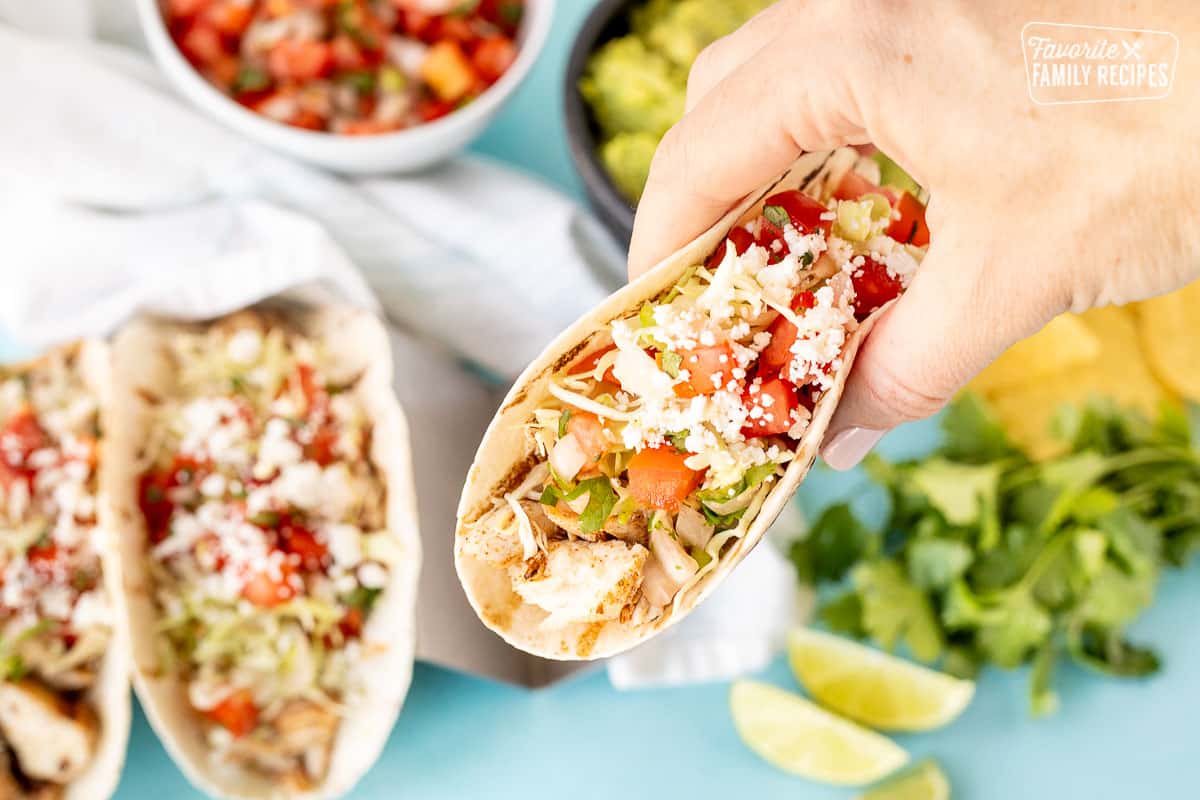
(937, 563)
(601, 499)
(265, 519)
(550, 496)
(776, 215)
(564, 419)
(679, 441)
(895, 611)
(360, 80)
(806, 259)
(844, 615)
(837, 541)
(251, 79)
(362, 598)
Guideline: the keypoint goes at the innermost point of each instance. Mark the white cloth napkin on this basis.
(117, 197)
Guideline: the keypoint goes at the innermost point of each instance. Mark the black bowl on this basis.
(608, 20)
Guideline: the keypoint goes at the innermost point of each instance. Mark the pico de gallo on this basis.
(266, 538)
(660, 444)
(352, 67)
(55, 616)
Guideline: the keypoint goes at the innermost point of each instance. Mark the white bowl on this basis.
(403, 151)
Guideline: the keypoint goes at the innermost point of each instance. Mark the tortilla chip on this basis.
(1120, 372)
(1064, 343)
(1170, 337)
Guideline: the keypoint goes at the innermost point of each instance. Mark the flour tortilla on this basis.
(109, 695)
(505, 456)
(357, 341)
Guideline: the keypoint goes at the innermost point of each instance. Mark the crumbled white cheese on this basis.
(245, 346)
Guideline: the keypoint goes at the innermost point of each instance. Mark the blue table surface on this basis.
(460, 736)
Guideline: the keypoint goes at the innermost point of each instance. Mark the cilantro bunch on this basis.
(988, 557)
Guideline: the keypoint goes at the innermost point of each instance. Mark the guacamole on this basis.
(636, 84)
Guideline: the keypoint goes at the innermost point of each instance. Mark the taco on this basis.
(648, 449)
(64, 685)
(270, 557)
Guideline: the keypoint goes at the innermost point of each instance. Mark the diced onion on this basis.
(567, 457)
(667, 551)
(657, 588)
(692, 527)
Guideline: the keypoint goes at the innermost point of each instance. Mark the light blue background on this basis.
(462, 737)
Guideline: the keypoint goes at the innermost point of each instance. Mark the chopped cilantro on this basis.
(806, 259)
(265, 519)
(989, 557)
(679, 441)
(564, 419)
(251, 79)
(776, 215)
(601, 499)
(360, 80)
(362, 598)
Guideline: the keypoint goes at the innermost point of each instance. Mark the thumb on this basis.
(964, 307)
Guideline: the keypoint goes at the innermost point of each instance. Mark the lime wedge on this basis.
(923, 782)
(872, 687)
(799, 737)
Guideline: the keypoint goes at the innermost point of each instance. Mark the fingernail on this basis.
(850, 446)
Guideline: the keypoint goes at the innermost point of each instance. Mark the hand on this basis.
(1035, 209)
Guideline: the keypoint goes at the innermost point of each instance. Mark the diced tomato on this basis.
(775, 400)
(910, 226)
(323, 443)
(365, 127)
(302, 542)
(873, 287)
(430, 109)
(316, 398)
(453, 28)
(42, 556)
(347, 55)
(351, 624)
(237, 713)
(771, 239)
(201, 44)
(22, 434)
(659, 478)
(505, 14)
(223, 71)
(271, 587)
(307, 120)
(296, 59)
(156, 508)
(493, 56)
(709, 368)
(589, 432)
(229, 17)
(417, 24)
(853, 186)
(776, 355)
(153, 493)
(185, 8)
(589, 365)
(741, 239)
(803, 211)
(448, 72)
(778, 352)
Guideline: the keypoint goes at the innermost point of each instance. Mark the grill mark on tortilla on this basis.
(587, 640)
